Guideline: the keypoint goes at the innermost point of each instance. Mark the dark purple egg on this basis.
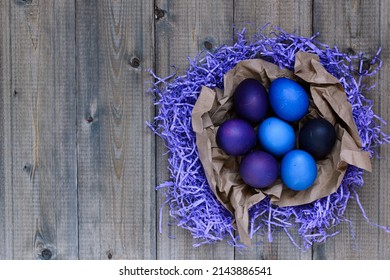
(259, 169)
(236, 137)
(317, 137)
(250, 101)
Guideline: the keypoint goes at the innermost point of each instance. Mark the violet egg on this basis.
(259, 169)
(236, 137)
(250, 101)
(317, 137)
(288, 99)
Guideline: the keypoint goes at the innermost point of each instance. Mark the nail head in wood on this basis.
(27, 168)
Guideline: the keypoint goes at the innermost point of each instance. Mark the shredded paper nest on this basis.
(197, 206)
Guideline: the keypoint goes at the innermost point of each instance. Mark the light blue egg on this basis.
(276, 136)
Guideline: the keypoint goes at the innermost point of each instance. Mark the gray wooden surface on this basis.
(78, 166)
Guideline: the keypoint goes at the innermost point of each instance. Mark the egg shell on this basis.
(276, 136)
(250, 101)
(298, 170)
(317, 137)
(259, 169)
(236, 137)
(288, 99)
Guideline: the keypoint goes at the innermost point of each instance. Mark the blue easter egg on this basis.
(317, 137)
(298, 170)
(276, 136)
(288, 99)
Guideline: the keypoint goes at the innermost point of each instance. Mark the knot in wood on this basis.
(135, 62)
(158, 13)
(89, 118)
(46, 254)
(208, 45)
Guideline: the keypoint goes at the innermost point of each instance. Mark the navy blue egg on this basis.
(298, 170)
(236, 137)
(288, 99)
(317, 137)
(250, 101)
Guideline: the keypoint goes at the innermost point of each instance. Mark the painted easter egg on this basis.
(236, 137)
(276, 136)
(250, 101)
(259, 169)
(317, 137)
(298, 170)
(288, 99)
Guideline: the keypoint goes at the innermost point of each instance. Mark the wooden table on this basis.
(79, 167)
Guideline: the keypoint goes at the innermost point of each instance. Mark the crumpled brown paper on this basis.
(328, 100)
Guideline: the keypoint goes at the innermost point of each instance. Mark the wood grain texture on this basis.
(115, 148)
(291, 16)
(78, 165)
(6, 217)
(382, 176)
(185, 29)
(42, 117)
(358, 26)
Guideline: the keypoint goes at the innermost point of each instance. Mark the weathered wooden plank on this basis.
(382, 90)
(38, 113)
(182, 30)
(355, 26)
(291, 16)
(115, 148)
(43, 186)
(6, 240)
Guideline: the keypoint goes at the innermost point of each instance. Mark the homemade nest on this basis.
(190, 200)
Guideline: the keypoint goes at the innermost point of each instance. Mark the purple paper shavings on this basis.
(192, 203)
